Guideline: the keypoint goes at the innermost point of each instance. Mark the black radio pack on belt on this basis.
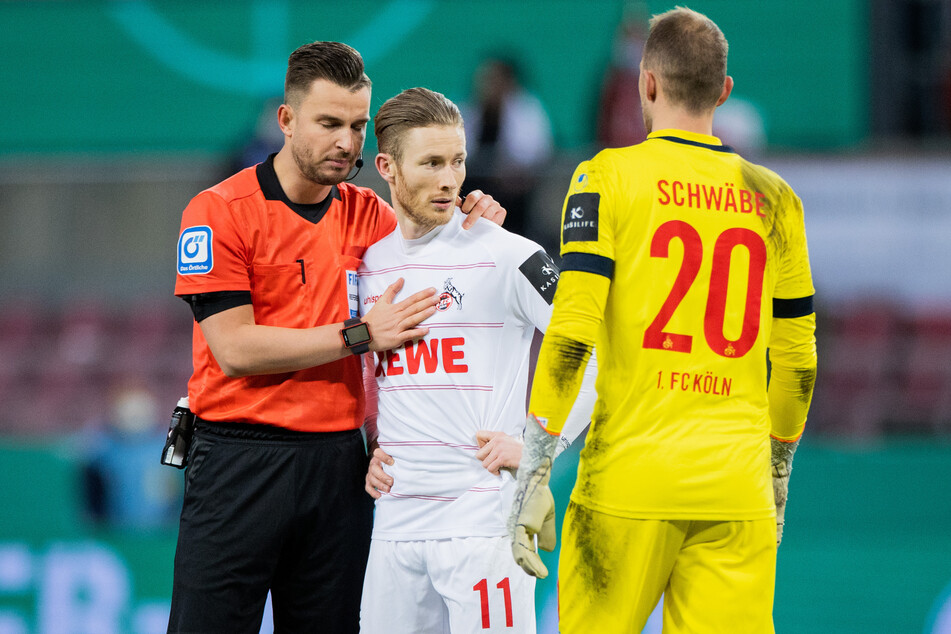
(179, 439)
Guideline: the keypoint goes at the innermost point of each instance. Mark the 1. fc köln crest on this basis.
(449, 296)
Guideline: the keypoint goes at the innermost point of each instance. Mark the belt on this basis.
(261, 431)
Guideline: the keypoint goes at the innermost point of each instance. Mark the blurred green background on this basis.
(186, 76)
(866, 546)
(114, 114)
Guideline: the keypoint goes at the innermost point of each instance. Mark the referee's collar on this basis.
(272, 190)
(691, 138)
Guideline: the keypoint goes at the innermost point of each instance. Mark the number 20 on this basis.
(713, 320)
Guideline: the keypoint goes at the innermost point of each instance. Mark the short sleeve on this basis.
(535, 282)
(212, 253)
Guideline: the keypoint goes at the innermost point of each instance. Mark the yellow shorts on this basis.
(716, 576)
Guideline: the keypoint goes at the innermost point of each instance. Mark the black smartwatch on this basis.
(356, 336)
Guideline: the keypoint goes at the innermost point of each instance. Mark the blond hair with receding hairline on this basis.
(412, 108)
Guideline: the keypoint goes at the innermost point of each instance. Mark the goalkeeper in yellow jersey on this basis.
(685, 265)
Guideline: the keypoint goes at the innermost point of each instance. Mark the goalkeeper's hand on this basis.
(782, 456)
(533, 508)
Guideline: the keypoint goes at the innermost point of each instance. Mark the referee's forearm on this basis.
(247, 349)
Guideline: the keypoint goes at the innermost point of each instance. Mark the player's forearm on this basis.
(793, 375)
(568, 345)
(558, 378)
(790, 394)
(580, 415)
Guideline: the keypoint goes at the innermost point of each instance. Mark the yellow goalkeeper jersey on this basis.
(695, 248)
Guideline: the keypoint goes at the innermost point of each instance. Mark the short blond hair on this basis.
(688, 51)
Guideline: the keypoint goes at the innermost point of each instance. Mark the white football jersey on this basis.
(469, 373)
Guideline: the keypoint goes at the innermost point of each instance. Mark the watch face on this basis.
(355, 335)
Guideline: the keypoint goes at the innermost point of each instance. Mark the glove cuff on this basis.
(538, 449)
(782, 451)
(538, 453)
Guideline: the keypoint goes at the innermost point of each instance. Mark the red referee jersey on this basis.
(245, 235)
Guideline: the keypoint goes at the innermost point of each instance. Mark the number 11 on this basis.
(483, 589)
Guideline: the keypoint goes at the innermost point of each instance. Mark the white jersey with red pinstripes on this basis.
(469, 373)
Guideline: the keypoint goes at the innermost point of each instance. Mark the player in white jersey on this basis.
(439, 559)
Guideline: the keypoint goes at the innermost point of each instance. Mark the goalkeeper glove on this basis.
(533, 508)
(781, 460)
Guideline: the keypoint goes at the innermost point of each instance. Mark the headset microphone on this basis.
(358, 164)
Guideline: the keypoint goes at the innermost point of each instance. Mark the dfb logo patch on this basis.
(581, 218)
(542, 273)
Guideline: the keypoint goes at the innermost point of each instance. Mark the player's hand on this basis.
(781, 461)
(392, 325)
(498, 450)
(377, 481)
(479, 205)
(533, 513)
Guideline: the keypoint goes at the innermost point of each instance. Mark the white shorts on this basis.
(462, 585)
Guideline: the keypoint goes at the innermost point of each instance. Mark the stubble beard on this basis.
(310, 169)
(412, 208)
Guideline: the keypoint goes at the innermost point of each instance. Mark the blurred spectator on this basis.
(266, 139)
(509, 138)
(739, 124)
(620, 121)
(946, 95)
(126, 485)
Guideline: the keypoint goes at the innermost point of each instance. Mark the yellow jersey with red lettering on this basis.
(299, 263)
(699, 247)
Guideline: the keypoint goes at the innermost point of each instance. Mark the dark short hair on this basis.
(412, 108)
(333, 61)
(688, 51)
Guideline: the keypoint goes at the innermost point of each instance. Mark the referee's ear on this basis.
(285, 119)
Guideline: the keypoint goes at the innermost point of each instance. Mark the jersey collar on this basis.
(691, 138)
(272, 190)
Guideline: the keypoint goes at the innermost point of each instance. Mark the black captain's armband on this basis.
(541, 272)
(207, 304)
(792, 308)
(588, 263)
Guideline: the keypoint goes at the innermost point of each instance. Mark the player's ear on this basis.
(727, 89)
(648, 84)
(386, 166)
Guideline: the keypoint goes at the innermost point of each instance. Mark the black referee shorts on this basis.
(271, 509)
